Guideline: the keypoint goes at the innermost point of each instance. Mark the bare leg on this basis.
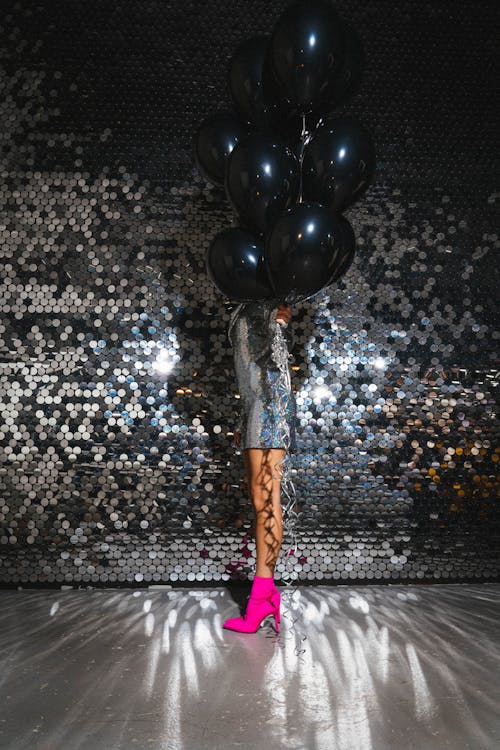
(264, 483)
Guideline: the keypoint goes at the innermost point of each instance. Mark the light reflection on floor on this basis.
(353, 668)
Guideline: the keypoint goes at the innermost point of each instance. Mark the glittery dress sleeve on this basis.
(267, 417)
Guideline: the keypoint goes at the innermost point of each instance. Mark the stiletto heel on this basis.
(276, 602)
(264, 600)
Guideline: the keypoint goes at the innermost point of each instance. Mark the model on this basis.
(266, 429)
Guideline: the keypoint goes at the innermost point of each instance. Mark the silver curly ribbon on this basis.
(279, 353)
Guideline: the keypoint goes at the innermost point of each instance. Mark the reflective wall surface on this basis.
(117, 389)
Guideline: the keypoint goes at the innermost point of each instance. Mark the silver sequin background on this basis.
(117, 390)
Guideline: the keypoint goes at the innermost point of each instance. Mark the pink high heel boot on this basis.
(265, 600)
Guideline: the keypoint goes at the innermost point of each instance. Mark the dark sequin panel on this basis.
(116, 381)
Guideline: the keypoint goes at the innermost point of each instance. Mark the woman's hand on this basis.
(284, 314)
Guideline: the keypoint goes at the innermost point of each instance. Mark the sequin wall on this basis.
(116, 377)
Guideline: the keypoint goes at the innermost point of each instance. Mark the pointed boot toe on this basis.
(237, 623)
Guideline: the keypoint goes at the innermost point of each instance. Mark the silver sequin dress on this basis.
(267, 417)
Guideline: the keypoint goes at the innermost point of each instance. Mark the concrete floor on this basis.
(379, 667)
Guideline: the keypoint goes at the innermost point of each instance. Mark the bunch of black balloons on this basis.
(288, 165)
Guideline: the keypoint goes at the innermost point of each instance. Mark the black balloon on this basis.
(303, 251)
(306, 52)
(214, 140)
(282, 117)
(256, 93)
(245, 80)
(235, 264)
(262, 180)
(338, 163)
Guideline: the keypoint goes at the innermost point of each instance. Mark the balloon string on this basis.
(301, 158)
